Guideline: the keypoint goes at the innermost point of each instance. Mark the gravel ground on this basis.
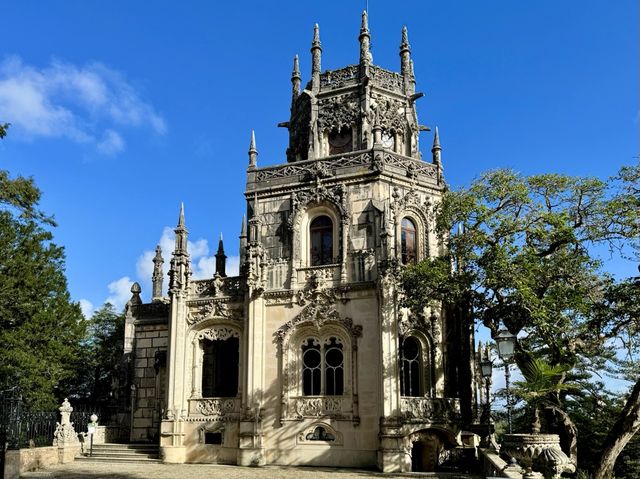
(80, 470)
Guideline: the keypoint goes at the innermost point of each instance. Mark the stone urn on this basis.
(538, 452)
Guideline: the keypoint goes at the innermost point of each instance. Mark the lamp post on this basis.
(486, 371)
(506, 343)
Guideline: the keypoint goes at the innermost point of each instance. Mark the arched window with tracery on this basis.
(411, 367)
(321, 234)
(322, 367)
(220, 362)
(408, 241)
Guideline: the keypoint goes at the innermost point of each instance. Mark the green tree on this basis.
(102, 348)
(522, 258)
(40, 327)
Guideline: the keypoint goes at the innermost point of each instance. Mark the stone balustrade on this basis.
(421, 409)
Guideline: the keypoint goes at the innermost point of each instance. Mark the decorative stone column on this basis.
(65, 437)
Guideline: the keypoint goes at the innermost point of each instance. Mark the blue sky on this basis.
(121, 110)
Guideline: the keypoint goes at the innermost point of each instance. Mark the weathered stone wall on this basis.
(149, 379)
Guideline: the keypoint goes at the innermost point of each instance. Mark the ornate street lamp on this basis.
(486, 371)
(506, 343)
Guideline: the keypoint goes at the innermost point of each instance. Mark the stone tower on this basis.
(307, 357)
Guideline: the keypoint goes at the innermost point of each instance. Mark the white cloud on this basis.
(63, 100)
(111, 143)
(87, 308)
(119, 292)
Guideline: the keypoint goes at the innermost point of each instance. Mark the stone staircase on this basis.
(127, 453)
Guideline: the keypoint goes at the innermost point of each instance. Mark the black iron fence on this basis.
(21, 428)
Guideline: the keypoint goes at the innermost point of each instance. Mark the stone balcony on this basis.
(434, 410)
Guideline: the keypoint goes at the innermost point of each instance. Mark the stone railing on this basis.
(324, 276)
(339, 78)
(214, 407)
(386, 79)
(419, 409)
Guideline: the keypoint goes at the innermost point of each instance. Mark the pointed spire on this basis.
(295, 81)
(221, 259)
(243, 239)
(316, 54)
(181, 216)
(365, 41)
(181, 233)
(157, 277)
(436, 150)
(405, 61)
(253, 153)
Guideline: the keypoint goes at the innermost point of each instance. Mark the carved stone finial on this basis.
(316, 53)
(405, 61)
(135, 299)
(295, 80)
(365, 41)
(253, 152)
(157, 277)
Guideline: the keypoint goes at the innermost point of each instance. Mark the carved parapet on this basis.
(327, 276)
(335, 407)
(420, 409)
(541, 452)
(216, 408)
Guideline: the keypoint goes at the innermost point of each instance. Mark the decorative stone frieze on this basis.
(333, 79)
(419, 409)
(199, 311)
(338, 111)
(216, 406)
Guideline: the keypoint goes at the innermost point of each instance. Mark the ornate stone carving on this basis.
(386, 79)
(542, 452)
(218, 333)
(65, 434)
(338, 111)
(317, 406)
(338, 78)
(319, 309)
(390, 113)
(199, 311)
(420, 409)
(217, 407)
(302, 168)
(416, 167)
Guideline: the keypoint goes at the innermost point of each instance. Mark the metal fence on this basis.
(21, 428)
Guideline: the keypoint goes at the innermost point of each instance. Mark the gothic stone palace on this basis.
(307, 357)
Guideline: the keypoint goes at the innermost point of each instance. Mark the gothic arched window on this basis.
(322, 368)
(220, 362)
(410, 367)
(408, 241)
(321, 233)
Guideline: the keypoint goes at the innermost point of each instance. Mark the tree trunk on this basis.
(627, 425)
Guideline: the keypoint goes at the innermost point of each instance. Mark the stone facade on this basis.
(307, 357)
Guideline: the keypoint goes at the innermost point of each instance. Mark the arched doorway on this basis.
(426, 448)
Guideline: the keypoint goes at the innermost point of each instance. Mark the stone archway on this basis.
(425, 450)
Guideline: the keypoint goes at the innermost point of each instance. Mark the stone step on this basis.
(123, 453)
(122, 460)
